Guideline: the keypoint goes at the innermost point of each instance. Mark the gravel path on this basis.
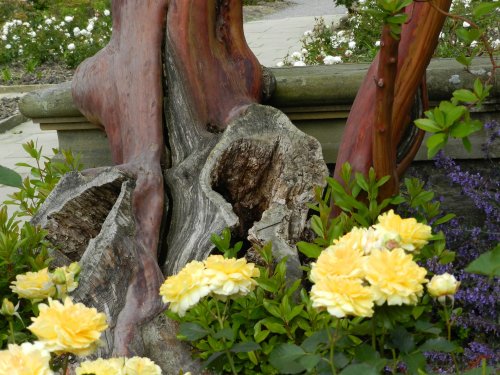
(301, 8)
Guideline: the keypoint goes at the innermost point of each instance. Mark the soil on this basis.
(8, 107)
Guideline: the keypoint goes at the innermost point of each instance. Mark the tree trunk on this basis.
(419, 39)
(214, 159)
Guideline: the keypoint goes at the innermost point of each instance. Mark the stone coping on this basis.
(326, 91)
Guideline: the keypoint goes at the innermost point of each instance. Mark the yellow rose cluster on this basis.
(44, 284)
(371, 266)
(119, 366)
(217, 276)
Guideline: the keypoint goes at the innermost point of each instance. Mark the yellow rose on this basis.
(25, 359)
(185, 289)
(354, 240)
(230, 276)
(112, 366)
(65, 279)
(338, 260)
(443, 285)
(141, 366)
(394, 277)
(68, 328)
(34, 285)
(414, 235)
(342, 296)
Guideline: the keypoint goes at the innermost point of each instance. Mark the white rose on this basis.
(68, 18)
(71, 46)
(352, 44)
(299, 63)
(106, 12)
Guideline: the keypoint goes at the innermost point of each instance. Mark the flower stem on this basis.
(220, 318)
(65, 364)
(11, 330)
(333, 340)
(448, 331)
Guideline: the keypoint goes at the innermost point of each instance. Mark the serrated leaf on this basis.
(438, 345)
(414, 362)
(285, 358)
(427, 125)
(401, 339)
(435, 143)
(487, 264)
(484, 8)
(464, 129)
(226, 333)
(360, 368)
(311, 343)
(309, 361)
(245, 347)
(465, 96)
(8, 177)
(192, 331)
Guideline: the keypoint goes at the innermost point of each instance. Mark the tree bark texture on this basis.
(419, 38)
(177, 92)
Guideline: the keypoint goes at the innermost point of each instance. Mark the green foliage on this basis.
(487, 264)
(357, 200)
(23, 247)
(453, 119)
(44, 175)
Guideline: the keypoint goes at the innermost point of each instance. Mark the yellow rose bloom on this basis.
(112, 366)
(354, 240)
(414, 235)
(34, 285)
(442, 286)
(342, 297)
(141, 366)
(25, 359)
(394, 277)
(228, 277)
(185, 289)
(338, 260)
(68, 328)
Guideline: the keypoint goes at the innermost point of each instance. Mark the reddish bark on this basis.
(419, 38)
(384, 153)
(222, 73)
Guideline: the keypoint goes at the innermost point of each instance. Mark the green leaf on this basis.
(467, 144)
(484, 8)
(317, 226)
(427, 125)
(402, 340)
(397, 19)
(453, 114)
(464, 129)
(192, 331)
(446, 257)
(245, 347)
(226, 333)
(414, 362)
(309, 361)
(261, 336)
(444, 219)
(487, 264)
(465, 96)
(468, 35)
(438, 345)
(466, 61)
(9, 177)
(478, 88)
(317, 338)
(360, 368)
(435, 143)
(285, 358)
(310, 250)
